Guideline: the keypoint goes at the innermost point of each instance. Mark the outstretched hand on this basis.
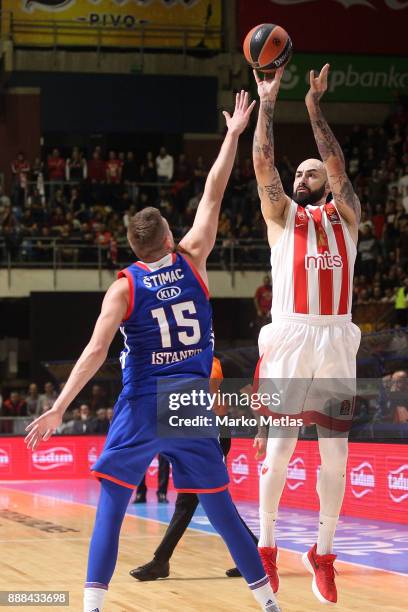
(42, 428)
(239, 120)
(268, 88)
(318, 85)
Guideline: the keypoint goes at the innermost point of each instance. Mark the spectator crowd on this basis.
(85, 203)
(91, 414)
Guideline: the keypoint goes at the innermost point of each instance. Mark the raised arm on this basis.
(273, 199)
(199, 241)
(113, 311)
(330, 151)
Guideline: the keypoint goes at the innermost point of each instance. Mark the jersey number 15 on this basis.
(178, 312)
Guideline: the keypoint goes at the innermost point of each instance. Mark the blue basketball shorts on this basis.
(132, 442)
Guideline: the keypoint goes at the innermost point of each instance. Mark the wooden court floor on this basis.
(44, 545)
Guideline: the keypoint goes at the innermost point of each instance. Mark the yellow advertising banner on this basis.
(114, 23)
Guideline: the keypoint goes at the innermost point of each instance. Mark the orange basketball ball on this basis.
(267, 47)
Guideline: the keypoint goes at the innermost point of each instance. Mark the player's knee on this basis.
(279, 454)
(334, 458)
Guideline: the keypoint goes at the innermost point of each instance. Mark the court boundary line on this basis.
(203, 531)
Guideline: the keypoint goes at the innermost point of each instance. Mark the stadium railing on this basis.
(71, 252)
(141, 36)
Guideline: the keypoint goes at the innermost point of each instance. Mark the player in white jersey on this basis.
(311, 338)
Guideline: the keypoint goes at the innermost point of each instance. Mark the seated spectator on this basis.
(403, 187)
(402, 247)
(100, 425)
(15, 406)
(33, 400)
(367, 250)
(128, 214)
(377, 187)
(47, 399)
(57, 219)
(70, 418)
(396, 410)
(43, 247)
(388, 297)
(378, 221)
(74, 200)
(84, 424)
(354, 163)
(97, 399)
(109, 414)
(192, 205)
(369, 163)
(4, 199)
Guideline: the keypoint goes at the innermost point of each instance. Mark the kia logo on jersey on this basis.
(239, 468)
(397, 481)
(168, 293)
(362, 480)
(52, 458)
(296, 475)
(4, 458)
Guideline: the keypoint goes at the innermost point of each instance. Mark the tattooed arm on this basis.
(273, 199)
(330, 151)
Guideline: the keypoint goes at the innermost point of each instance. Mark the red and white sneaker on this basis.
(321, 566)
(269, 557)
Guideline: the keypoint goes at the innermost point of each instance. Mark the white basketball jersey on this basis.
(313, 263)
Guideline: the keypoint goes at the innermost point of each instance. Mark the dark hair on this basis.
(146, 231)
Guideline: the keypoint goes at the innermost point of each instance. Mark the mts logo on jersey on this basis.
(323, 261)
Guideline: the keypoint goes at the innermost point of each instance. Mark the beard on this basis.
(305, 198)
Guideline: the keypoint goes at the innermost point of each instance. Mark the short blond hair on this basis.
(146, 231)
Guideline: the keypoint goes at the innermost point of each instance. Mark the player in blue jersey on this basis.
(161, 304)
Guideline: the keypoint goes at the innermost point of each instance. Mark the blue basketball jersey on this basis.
(168, 327)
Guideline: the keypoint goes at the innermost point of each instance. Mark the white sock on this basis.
(263, 593)
(94, 599)
(267, 523)
(325, 537)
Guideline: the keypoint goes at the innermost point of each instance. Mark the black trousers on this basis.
(163, 478)
(186, 504)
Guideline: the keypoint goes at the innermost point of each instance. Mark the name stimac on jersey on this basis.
(163, 278)
(323, 261)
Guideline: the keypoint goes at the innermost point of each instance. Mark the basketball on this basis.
(267, 47)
